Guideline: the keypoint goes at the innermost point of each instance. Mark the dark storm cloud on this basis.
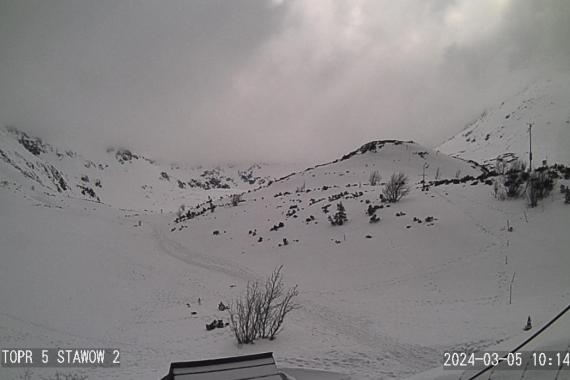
(232, 80)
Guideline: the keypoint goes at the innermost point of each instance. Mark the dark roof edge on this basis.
(231, 359)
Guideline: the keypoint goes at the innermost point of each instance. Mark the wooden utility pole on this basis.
(511, 288)
(530, 147)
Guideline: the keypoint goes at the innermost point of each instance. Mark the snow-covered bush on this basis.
(261, 311)
(396, 188)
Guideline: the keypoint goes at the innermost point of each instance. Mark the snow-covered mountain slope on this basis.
(503, 129)
(121, 178)
(433, 273)
(377, 300)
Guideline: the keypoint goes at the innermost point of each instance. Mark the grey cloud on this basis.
(243, 80)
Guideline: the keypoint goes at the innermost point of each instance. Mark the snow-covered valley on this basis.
(377, 300)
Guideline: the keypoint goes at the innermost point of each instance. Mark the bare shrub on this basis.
(261, 311)
(514, 179)
(277, 302)
(244, 314)
(236, 199)
(500, 166)
(374, 178)
(540, 184)
(499, 190)
(396, 188)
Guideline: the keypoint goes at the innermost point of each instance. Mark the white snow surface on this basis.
(503, 129)
(377, 301)
(123, 179)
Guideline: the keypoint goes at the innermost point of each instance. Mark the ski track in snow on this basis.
(394, 353)
(175, 249)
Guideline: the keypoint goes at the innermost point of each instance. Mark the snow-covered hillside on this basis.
(378, 300)
(122, 178)
(504, 129)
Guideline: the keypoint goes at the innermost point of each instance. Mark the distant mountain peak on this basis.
(374, 146)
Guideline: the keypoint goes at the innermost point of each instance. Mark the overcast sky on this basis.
(266, 80)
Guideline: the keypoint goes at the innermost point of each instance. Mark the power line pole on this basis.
(530, 147)
(426, 165)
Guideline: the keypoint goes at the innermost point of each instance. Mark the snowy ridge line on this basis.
(529, 339)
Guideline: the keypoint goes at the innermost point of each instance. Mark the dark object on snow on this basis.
(374, 218)
(372, 209)
(277, 226)
(528, 324)
(222, 307)
(215, 324)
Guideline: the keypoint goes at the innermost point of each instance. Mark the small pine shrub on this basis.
(339, 218)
